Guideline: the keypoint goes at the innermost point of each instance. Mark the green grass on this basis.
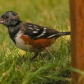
(15, 64)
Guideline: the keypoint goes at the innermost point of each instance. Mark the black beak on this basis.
(2, 20)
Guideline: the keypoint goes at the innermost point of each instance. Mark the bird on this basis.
(28, 36)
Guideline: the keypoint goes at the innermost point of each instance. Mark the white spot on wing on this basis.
(43, 33)
(45, 28)
(51, 36)
(30, 25)
(35, 31)
(30, 28)
(36, 27)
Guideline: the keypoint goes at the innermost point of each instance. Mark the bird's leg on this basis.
(36, 54)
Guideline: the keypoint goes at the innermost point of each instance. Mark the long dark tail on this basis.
(66, 33)
(62, 34)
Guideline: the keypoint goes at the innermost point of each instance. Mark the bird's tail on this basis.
(62, 34)
(66, 33)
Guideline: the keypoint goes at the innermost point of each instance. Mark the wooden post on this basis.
(77, 38)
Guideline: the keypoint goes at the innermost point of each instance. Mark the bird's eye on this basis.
(6, 16)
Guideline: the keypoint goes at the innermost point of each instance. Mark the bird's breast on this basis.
(20, 43)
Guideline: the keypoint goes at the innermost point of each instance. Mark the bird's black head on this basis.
(9, 18)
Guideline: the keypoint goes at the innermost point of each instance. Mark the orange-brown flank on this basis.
(38, 43)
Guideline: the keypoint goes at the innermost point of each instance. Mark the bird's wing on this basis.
(37, 32)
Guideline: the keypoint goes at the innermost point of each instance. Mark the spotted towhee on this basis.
(28, 36)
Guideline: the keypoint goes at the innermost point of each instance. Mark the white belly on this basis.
(20, 43)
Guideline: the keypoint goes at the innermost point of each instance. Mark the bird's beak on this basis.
(2, 20)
